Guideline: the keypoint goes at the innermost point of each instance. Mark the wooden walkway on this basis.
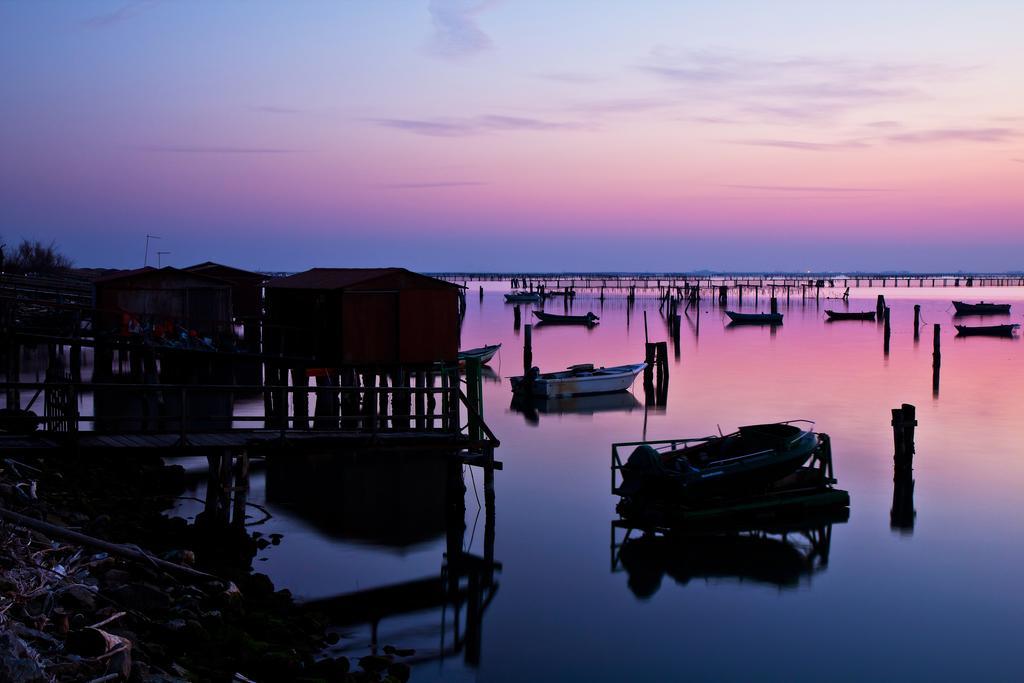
(471, 451)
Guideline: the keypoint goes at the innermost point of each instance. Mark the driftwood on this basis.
(113, 548)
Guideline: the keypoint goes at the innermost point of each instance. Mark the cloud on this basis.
(121, 14)
(570, 77)
(806, 188)
(450, 128)
(802, 145)
(215, 149)
(624, 105)
(456, 33)
(884, 124)
(1019, 161)
(431, 185)
(955, 135)
(790, 89)
(271, 109)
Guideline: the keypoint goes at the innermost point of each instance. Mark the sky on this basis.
(516, 135)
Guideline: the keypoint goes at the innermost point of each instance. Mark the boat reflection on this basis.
(780, 555)
(532, 407)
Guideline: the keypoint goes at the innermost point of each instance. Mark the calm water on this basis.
(939, 602)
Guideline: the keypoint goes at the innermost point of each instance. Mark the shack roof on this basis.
(359, 278)
(166, 274)
(222, 271)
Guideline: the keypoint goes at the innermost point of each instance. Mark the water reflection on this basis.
(531, 407)
(780, 555)
(397, 499)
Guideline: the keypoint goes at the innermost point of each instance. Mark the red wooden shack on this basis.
(346, 317)
(150, 296)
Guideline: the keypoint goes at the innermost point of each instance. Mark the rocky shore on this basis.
(172, 601)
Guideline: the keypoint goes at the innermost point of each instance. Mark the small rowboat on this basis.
(754, 318)
(554, 319)
(986, 330)
(746, 461)
(981, 308)
(850, 315)
(581, 379)
(483, 354)
(522, 297)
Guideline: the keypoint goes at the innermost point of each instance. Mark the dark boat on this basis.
(554, 319)
(986, 330)
(981, 308)
(754, 318)
(745, 462)
(850, 315)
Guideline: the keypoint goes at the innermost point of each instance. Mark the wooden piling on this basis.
(527, 352)
(887, 331)
(880, 308)
(917, 321)
(936, 360)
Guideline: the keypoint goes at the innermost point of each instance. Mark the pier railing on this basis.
(184, 409)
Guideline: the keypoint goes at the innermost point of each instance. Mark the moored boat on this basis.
(986, 330)
(850, 315)
(483, 354)
(746, 461)
(981, 308)
(554, 319)
(579, 379)
(754, 318)
(522, 297)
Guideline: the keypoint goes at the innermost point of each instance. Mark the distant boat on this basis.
(745, 461)
(754, 318)
(554, 319)
(522, 297)
(483, 354)
(582, 379)
(981, 308)
(850, 315)
(986, 330)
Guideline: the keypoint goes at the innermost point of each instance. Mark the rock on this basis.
(78, 598)
(141, 596)
(400, 670)
(374, 663)
(116, 577)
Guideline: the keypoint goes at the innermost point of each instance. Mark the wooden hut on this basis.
(359, 317)
(149, 296)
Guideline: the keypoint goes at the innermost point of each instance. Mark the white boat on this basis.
(522, 297)
(483, 354)
(582, 379)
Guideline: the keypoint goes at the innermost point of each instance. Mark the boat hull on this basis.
(744, 467)
(754, 318)
(986, 330)
(483, 354)
(844, 315)
(553, 319)
(522, 298)
(981, 308)
(600, 381)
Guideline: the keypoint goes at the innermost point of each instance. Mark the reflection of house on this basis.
(151, 296)
(363, 317)
(394, 499)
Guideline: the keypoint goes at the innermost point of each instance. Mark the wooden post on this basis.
(481, 292)
(936, 360)
(917, 321)
(473, 377)
(899, 448)
(886, 331)
(517, 317)
(421, 380)
(775, 306)
(527, 351)
(909, 428)
(880, 308)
